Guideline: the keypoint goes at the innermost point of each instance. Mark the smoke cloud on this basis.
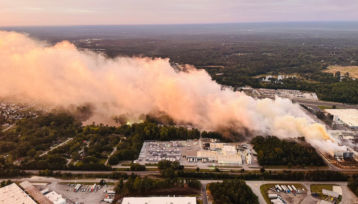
(61, 74)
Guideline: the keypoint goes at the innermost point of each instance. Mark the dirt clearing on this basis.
(353, 70)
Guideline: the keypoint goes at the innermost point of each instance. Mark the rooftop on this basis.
(14, 194)
(55, 198)
(159, 200)
(36, 194)
(348, 116)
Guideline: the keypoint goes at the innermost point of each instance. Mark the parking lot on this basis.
(83, 196)
(154, 151)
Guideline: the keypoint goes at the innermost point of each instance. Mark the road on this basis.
(141, 173)
(203, 192)
(69, 139)
(114, 150)
(8, 127)
(323, 103)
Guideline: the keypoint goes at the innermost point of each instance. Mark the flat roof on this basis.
(36, 194)
(330, 193)
(348, 116)
(159, 200)
(14, 194)
(55, 197)
(191, 153)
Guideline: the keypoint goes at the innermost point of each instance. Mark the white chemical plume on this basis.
(61, 74)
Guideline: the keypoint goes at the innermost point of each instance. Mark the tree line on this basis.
(232, 191)
(273, 151)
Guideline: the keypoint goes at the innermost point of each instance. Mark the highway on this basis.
(141, 173)
(324, 103)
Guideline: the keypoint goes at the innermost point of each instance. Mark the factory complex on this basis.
(204, 150)
(222, 153)
(348, 117)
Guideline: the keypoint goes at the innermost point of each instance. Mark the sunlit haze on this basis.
(107, 12)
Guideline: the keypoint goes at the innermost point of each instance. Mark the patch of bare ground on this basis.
(352, 70)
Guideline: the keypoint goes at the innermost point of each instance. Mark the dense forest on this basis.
(273, 151)
(353, 184)
(59, 141)
(232, 191)
(239, 60)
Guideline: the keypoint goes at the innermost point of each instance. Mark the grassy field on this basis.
(102, 161)
(352, 70)
(264, 188)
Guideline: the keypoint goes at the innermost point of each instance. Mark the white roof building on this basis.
(159, 200)
(330, 193)
(55, 198)
(346, 116)
(229, 159)
(12, 194)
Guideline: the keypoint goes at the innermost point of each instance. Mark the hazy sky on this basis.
(96, 12)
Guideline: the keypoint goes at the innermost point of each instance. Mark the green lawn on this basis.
(102, 161)
(79, 163)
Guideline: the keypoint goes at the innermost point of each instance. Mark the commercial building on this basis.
(213, 156)
(12, 194)
(343, 154)
(347, 117)
(55, 198)
(159, 200)
(330, 193)
(36, 194)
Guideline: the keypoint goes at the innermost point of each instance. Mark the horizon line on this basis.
(181, 24)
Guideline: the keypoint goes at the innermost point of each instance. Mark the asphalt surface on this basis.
(203, 192)
(324, 103)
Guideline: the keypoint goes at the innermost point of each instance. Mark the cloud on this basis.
(61, 74)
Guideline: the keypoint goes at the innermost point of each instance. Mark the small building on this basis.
(330, 193)
(248, 159)
(342, 154)
(55, 198)
(159, 200)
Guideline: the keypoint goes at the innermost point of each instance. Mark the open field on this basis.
(353, 70)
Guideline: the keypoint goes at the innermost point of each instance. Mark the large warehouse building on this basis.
(347, 117)
(12, 194)
(213, 156)
(159, 200)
